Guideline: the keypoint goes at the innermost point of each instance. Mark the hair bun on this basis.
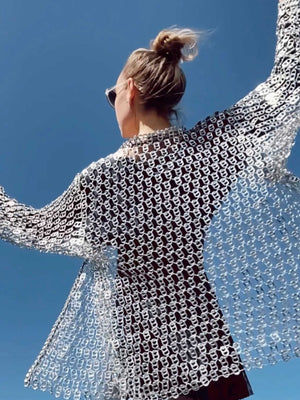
(176, 44)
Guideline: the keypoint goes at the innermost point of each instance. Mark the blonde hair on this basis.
(156, 71)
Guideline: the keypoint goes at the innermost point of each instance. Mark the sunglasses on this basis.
(111, 94)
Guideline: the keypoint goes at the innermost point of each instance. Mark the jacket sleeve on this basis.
(58, 227)
(271, 112)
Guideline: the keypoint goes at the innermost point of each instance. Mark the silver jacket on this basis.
(190, 240)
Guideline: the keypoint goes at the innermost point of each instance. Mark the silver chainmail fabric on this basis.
(190, 240)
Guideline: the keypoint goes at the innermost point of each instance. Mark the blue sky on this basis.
(56, 59)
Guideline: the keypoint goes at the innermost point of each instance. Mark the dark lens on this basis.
(112, 97)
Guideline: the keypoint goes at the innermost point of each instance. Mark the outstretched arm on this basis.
(58, 227)
(271, 112)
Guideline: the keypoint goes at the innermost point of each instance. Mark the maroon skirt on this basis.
(234, 387)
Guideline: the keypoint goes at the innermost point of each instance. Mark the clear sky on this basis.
(56, 59)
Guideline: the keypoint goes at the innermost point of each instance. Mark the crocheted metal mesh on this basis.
(191, 241)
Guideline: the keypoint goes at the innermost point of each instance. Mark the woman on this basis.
(153, 219)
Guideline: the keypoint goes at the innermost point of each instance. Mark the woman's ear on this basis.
(131, 91)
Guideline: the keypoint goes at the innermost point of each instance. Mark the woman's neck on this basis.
(150, 122)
